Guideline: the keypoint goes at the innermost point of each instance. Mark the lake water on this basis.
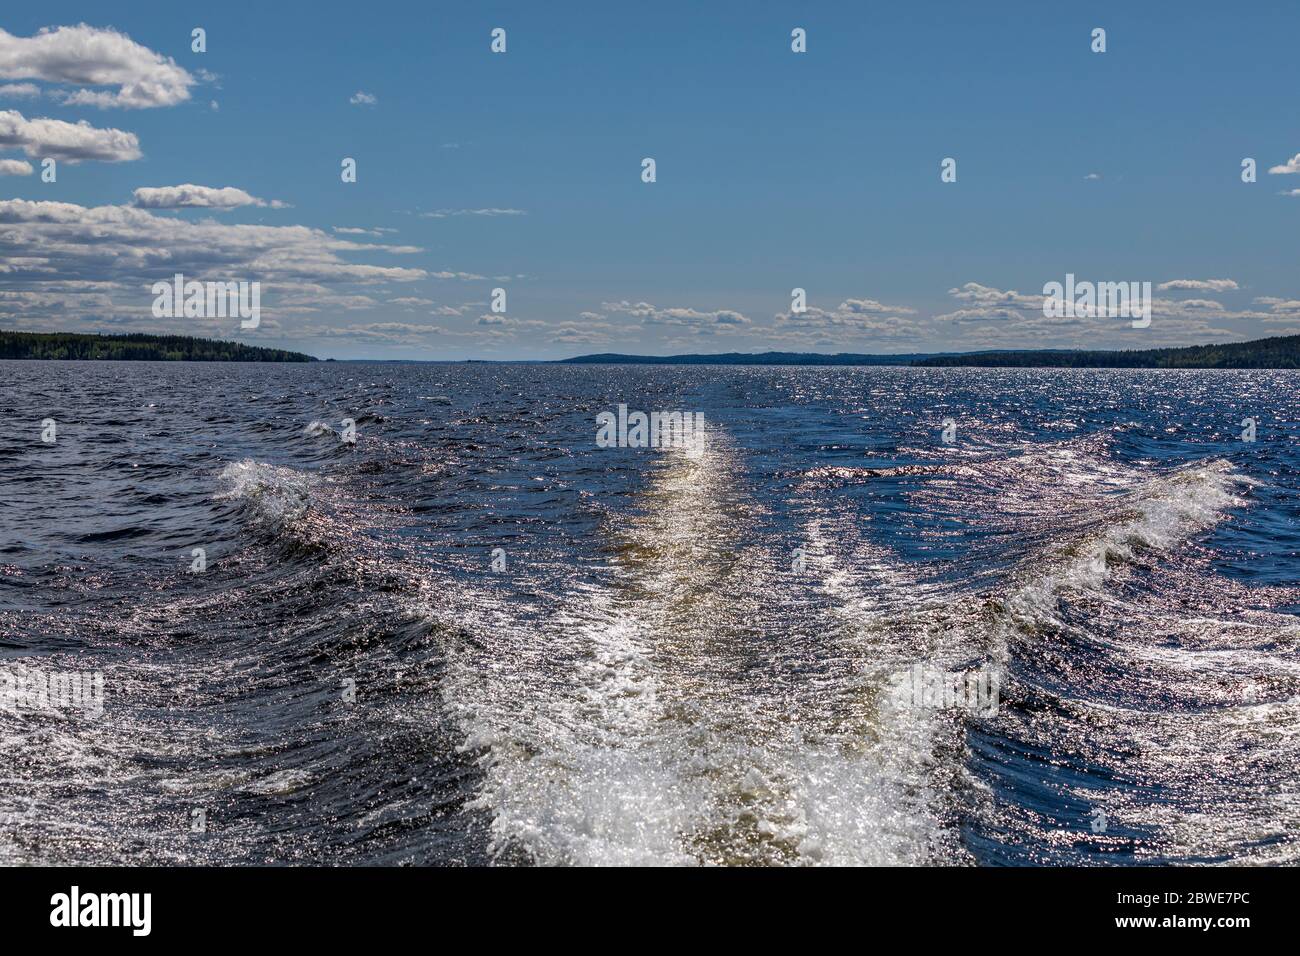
(473, 635)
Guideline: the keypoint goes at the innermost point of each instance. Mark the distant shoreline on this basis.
(1278, 352)
(135, 347)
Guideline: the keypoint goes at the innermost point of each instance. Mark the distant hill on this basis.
(748, 358)
(1277, 352)
(136, 347)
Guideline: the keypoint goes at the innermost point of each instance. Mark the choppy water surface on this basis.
(650, 679)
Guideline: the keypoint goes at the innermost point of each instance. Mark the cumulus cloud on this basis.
(588, 333)
(872, 307)
(190, 196)
(66, 142)
(497, 321)
(1199, 285)
(993, 318)
(363, 99)
(987, 303)
(86, 56)
(1292, 165)
(702, 322)
(15, 167)
(20, 90)
(1015, 310)
(121, 250)
(987, 296)
(980, 314)
(1280, 310)
(450, 310)
(853, 320)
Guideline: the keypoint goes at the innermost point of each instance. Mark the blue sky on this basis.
(775, 170)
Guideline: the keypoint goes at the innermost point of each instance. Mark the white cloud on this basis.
(985, 296)
(571, 333)
(312, 297)
(997, 319)
(190, 196)
(414, 335)
(1200, 285)
(394, 333)
(66, 142)
(1280, 310)
(20, 90)
(363, 99)
(444, 213)
(1093, 176)
(1292, 165)
(980, 313)
(357, 231)
(463, 276)
(121, 250)
(718, 321)
(86, 56)
(853, 320)
(15, 167)
(495, 320)
(872, 307)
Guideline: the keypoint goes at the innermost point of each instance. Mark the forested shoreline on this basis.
(136, 347)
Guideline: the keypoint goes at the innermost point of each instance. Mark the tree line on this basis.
(1278, 352)
(136, 347)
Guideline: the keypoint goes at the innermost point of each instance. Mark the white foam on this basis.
(277, 494)
(867, 797)
(622, 730)
(282, 782)
(615, 724)
(1159, 515)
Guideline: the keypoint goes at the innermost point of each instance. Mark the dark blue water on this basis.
(676, 656)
